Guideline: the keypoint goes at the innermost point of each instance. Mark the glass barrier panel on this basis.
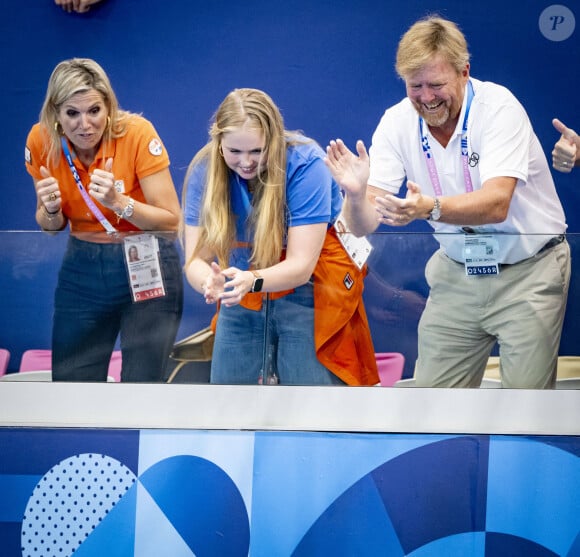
(395, 294)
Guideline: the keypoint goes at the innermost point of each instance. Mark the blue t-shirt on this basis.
(312, 196)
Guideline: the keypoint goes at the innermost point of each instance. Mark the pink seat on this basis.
(390, 366)
(36, 360)
(115, 366)
(4, 359)
(41, 360)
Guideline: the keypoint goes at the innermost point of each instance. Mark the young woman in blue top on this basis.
(258, 203)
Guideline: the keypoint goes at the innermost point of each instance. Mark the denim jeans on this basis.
(277, 339)
(93, 305)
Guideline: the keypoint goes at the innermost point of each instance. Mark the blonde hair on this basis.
(428, 37)
(253, 108)
(78, 75)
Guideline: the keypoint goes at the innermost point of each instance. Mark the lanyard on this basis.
(88, 200)
(432, 169)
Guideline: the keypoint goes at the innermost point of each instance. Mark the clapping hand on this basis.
(350, 171)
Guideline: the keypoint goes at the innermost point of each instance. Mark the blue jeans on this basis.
(93, 306)
(277, 339)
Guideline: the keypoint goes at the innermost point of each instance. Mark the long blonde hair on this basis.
(218, 229)
(68, 78)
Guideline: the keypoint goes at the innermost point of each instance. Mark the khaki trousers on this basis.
(522, 309)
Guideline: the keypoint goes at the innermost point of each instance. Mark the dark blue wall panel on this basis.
(328, 64)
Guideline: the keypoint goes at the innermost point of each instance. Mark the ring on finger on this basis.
(52, 196)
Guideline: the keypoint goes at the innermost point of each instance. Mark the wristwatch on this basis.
(435, 213)
(127, 212)
(258, 282)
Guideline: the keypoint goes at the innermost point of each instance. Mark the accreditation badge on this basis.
(481, 254)
(358, 249)
(143, 266)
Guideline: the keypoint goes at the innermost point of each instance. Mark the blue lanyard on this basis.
(432, 169)
(88, 199)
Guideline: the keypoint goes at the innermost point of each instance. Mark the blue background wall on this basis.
(328, 64)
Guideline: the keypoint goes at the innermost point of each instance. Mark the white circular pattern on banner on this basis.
(557, 23)
(70, 501)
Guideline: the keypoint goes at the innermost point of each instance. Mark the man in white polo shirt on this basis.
(476, 170)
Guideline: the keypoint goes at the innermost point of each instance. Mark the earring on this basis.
(221, 150)
(108, 121)
(56, 125)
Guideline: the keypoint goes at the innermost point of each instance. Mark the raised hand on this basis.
(102, 186)
(78, 6)
(48, 192)
(350, 171)
(565, 153)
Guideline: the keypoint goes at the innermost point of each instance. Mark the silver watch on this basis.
(435, 213)
(127, 212)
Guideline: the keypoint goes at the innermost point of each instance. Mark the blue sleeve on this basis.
(195, 187)
(312, 195)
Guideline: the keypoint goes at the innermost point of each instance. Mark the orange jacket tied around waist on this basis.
(342, 336)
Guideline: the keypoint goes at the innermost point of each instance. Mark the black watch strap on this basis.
(258, 282)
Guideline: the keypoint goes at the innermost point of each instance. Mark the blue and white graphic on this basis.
(287, 494)
(70, 501)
